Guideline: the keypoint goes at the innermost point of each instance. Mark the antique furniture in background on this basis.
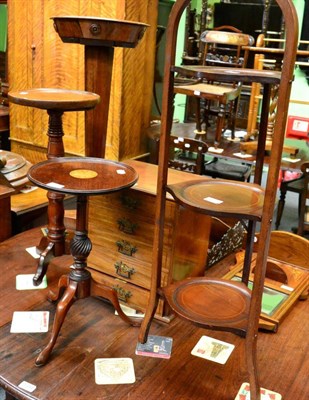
(207, 301)
(222, 47)
(187, 154)
(303, 223)
(5, 205)
(295, 185)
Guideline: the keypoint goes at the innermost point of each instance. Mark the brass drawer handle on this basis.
(125, 225)
(124, 270)
(123, 294)
(125, 247)
(129, 202)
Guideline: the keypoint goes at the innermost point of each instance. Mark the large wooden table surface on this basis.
(91, 330)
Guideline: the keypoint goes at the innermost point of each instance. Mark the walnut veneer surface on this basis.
(93, 331)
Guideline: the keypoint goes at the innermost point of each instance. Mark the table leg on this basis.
(54, 244)
(78, 283)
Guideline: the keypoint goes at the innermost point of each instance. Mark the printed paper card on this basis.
(244, 393)
(111, 371)
(30, 321)
(25, 282)
(27, 386)
(213, 349)
(156, 346)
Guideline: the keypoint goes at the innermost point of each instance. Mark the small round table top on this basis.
(55, 99)
(218, 197)
(82, 175)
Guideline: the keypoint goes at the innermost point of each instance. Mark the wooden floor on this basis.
(91, 330)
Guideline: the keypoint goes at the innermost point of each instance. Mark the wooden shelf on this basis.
(223, 74)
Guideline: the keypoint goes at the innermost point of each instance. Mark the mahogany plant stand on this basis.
(81, 177)
(55, 102)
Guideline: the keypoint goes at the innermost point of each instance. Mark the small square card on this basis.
(156, 346)
(244, 393)
(32, 251)
(25, 282)
(130, 312)
(111, 371)
(30, 321)
(213, 349)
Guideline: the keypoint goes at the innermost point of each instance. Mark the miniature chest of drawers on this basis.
(121, 228)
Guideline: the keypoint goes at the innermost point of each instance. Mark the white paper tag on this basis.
(25, 282)
(197, 92)
(215, 150)
(243, 155)
(213, 200)
(54, 185)
(28, 189)
(32, 251)
(292, 160)
(289, 288)
(27, 386)
(130, 312)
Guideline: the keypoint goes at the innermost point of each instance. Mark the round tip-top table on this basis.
(81, 177)
(55, 102)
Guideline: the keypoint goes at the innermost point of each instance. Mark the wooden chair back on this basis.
(303, 221)
(187, 154)
(224, 47)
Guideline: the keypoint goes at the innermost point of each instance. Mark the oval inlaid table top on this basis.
(54, 99)
(82, 175)
(217, 197)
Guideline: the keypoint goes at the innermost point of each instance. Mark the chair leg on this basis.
(198, 115)
(233, 115)
(220, 123)
(281, 205)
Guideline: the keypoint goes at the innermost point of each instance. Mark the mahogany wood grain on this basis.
(93, 331)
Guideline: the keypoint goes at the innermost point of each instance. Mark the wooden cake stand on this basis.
(81, 177)
(56, 102)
